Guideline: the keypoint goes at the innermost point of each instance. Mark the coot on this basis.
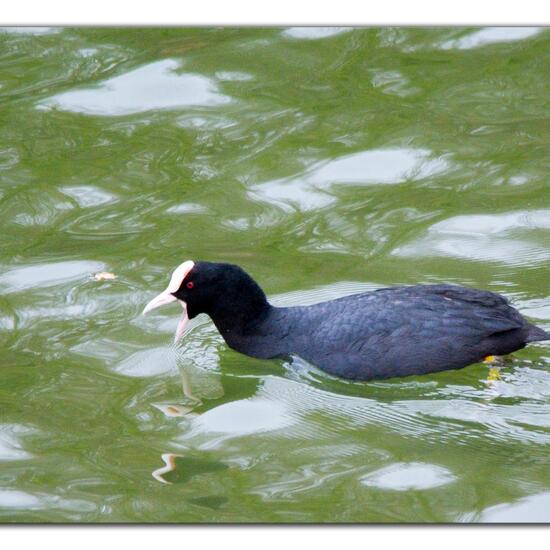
(397, 331)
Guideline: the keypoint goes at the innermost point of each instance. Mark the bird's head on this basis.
(223, 291)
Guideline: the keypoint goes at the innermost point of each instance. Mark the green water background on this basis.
(324, 162)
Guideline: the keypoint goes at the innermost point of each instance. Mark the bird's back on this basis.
(408, 330)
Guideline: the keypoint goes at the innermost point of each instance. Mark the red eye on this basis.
(190, 284)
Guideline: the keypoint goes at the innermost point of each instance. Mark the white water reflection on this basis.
(44, 275)
(38, 206)
(149, 362)
(233, 76)
(15, 499)
(291, 404)
(538, 308)
(496, 421)
(491, 35)
(393, 83)
(289, 195)
(482, 224)
(483, 237)
(104, 349)
(532, 509)
(404, 477)
(19, 499)
(377, 166)
(10, 446)
(247, 416)
(314, 33)
(153, 86)
(87, 195)
(31, 30)
(9, 157)
(187, 208)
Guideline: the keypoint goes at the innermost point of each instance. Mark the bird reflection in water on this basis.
(180, 469)
(186, 406)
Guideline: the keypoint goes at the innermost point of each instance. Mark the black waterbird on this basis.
(399, 331)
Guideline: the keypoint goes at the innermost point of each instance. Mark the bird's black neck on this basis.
(258, 332)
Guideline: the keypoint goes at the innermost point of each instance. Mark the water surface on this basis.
(325, 161)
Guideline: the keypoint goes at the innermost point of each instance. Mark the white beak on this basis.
(162, 299)
(167, 298)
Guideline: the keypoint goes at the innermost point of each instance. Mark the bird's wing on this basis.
(489, 312)
(407, 330)
(422, 312)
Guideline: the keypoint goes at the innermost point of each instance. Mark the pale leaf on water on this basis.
(104, 276)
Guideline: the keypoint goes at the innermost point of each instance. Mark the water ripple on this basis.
(313, 189)
(326, 161)
(491, 35)
(314, 33)
(153, 86)
(484, 237)
(50, 274)
(404, 477)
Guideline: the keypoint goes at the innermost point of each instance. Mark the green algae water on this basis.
(324, 161)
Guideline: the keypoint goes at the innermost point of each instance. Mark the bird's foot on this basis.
(495, 360)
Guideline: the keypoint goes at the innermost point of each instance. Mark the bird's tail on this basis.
(536, 334)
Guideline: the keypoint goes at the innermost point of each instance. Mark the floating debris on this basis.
(104, 276)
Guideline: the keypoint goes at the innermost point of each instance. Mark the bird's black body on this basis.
(390, 332)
